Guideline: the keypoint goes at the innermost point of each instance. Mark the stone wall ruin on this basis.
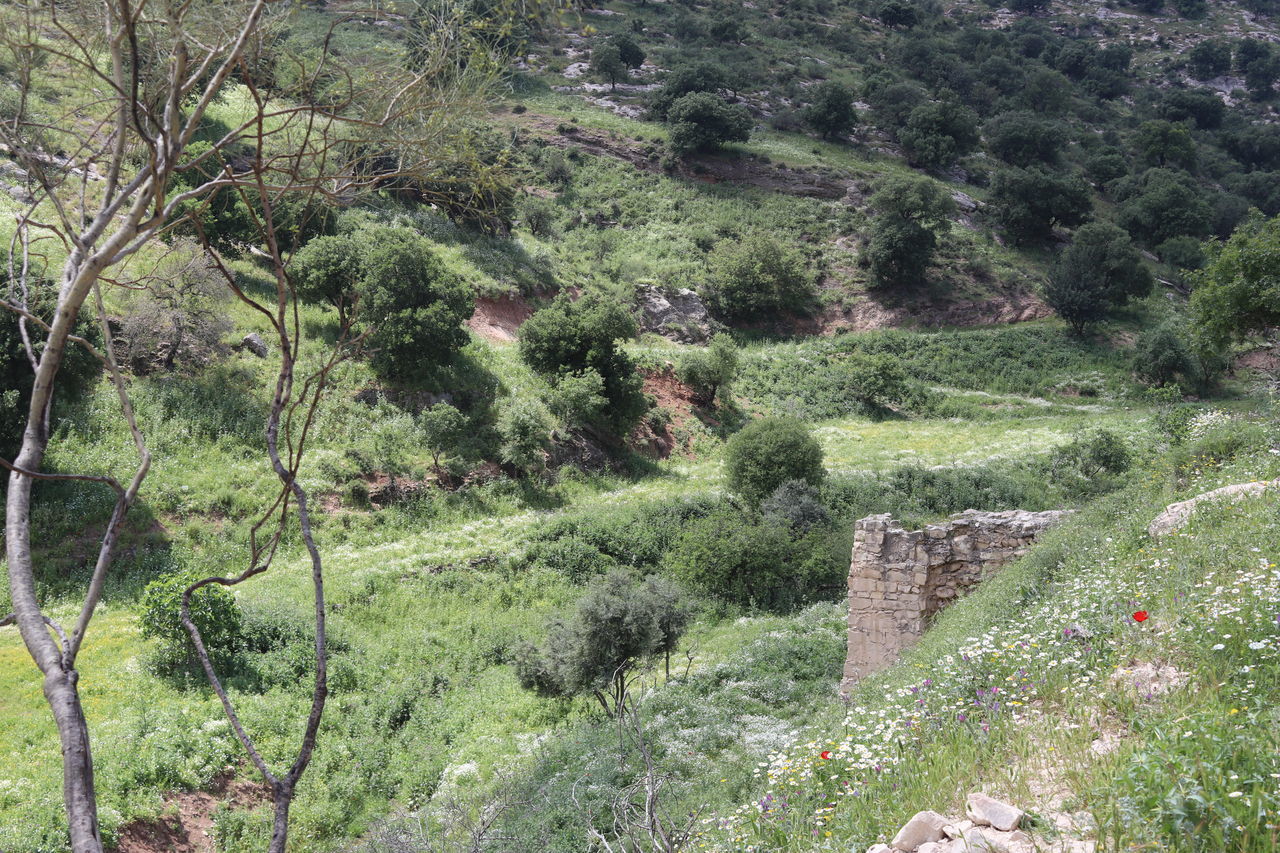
(898, 579)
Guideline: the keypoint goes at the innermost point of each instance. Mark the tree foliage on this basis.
(570, 337)
(767, 453)
(938, 133)
(830, 110)
(1098, 272)
(1030, 202)
(909, 213)
(710, 372)
(620, 623)
(702, 121)
(1238, 293)
(756, 277)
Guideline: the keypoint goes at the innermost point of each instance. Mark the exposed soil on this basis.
(1262, 359)
(188, 822)
(677, 398)
(499, 318)
(712, 169)
(871, 312)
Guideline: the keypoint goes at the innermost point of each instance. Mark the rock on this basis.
(957, 830)
(985, 811)
(1175, 515)
(924, 827)
(678, 315)
(254, 344)
(975, 841)
(964, 202)
(879, 848)
(934, 847)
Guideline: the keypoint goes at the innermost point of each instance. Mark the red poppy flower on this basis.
(1140, 616)
(826, 754)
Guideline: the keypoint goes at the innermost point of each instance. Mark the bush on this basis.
(328, 269)
(573, 557)
(767, 453)
(577, 399)
(570, 337)
(710, 372)
(411, 305)
(442, 427)
(524, 427)
(1085, 463)
(1161, 356)
(830, 110)
(756, 277)
(939, 133)
(910, 211)
(874, 381)
(747, 562)
(213, 610)
(1098, 272)
(796, 504)
(702, 121)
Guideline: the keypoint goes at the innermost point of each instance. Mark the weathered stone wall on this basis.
(899, 578)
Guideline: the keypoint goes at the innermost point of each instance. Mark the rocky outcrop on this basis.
(679, 315)
(1177, 514)
(899, 578)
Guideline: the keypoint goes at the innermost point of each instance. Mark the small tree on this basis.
(710, 372)
(1023, 138)
(909, 213)
(441, 426)
(212, 608)
(328, 268)
(628, 51)
(1030, 202)
(1238, 293)
(939, 133)
(178, 313)
(618, 624)
(1098, 272)
(525, 428)
(830, 110)
(797, 504)
(1161, 356)
(1163, 142)
(756, 277)
(606, 62)
(769, 452)
(411, 305)
(874, 381)
(682, 80)
(701, 121)
(572, 337)
(1209, 59)
(577, 399)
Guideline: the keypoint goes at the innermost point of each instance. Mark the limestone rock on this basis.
(976, 841)
(1176, 514)
(253, 343)
(679, 315)
(879, 848)
(985, 811)
(924, 827)
(957, 829)
(934, 847)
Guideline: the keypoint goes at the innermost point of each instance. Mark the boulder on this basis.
(879, 848)
(985, 811)
(921, 829)
(679, 315)
(253, 343)
(957, 830)
(976, 841)
(1175, 515)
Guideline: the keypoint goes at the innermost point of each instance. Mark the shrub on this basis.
(797, 504)
(711, 372)
(756, 277)
(939, 133)
(747, 562)
(180, 321)
(411, 305)
(213, 610)
(328, 268)
(702, 121)
(1030, 202)
(577, 399)
(874, 381)
(570, 337)
(524, 427)
(573, 557)
(767, 453)
(1089, 459)
(442, 427)
(1161, 356)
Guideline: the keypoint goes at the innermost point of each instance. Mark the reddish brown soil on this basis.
(674, 396)
(499, 318)
(188, 822)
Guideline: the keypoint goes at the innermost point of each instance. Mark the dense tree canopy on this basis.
(1099, 271)
(1238, 293)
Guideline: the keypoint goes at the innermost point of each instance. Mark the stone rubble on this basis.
(992, 828)
(1175, 515)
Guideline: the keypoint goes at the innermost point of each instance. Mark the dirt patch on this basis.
(499, 318)
(678, 399)
(1262, 359)
(870, 313)
(188, 821)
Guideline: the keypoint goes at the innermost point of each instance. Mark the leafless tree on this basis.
(112, 167)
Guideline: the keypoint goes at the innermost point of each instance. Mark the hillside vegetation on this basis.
(677, 293)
